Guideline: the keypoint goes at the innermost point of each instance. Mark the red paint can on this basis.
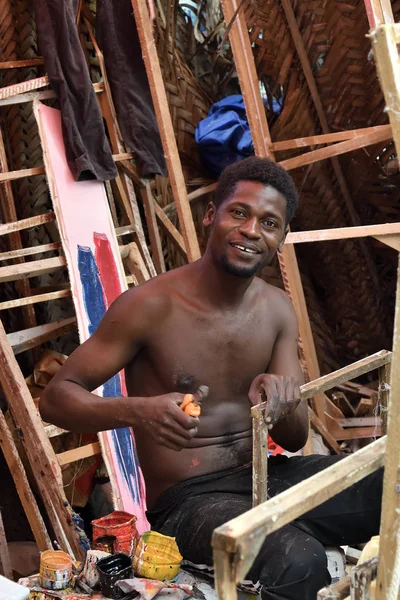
(121, 526)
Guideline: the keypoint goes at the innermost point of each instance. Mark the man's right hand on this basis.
(163, 421)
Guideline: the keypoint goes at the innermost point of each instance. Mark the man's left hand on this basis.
(282, 394)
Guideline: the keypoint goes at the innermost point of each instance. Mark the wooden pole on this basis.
(244, 61)
(260, 455)
(379, 12)
(21, 482)
(5, 560)
(39, 451)
(159, 96)
(385, 41)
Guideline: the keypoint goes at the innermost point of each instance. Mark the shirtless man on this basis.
(214, 323)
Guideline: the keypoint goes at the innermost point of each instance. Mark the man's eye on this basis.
(270, 223)
(237, 212)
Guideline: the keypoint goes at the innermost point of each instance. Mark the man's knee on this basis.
(296, 568)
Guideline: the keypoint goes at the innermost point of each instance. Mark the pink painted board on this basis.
(97, 277)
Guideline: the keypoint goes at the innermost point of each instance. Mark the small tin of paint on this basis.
(55, 570)
(105, 543)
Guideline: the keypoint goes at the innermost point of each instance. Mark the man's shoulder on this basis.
(275, 299)
(155, 296)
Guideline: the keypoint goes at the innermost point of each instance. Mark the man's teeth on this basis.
(245, 249)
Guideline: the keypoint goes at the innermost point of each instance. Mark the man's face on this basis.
(248, 228)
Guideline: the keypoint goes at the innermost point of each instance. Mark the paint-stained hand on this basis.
(282, 394)
(168, 425)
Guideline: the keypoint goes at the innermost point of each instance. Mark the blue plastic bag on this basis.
(224, 137)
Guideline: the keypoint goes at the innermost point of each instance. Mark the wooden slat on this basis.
(260, 455)
(35, 336)
(5, 560)
(388, 582)
(170, 229)
(54, 431)
(160, 102)
(70, 456)
(32, 269)
(325, 138)
(19, 64)
(38, 449)
(25, 86)
(41, 248)
(322, 429)
(46, 95)
(362, 141)
(13, 175)
(23, 488)
(379, 12)
(327, 382)
(154, 234)
(18, 302)
(342, 233)
(6, 228)
(170, 209)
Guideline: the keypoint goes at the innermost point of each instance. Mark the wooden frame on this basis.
(237, 543)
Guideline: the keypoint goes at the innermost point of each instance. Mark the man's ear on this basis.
(209, 214)
(280, 248)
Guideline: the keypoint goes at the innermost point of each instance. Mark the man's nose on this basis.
(251, 228)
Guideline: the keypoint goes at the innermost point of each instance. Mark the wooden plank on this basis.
(359, 422)
(260, 455)
(23, 487)
(244, 535)
(38, 449)
(32, 269)
(170, 209)
(170, 229)
(13, 175)
(7, 228)
(54, 431)
(322, 429)
(336, 591)
(34, 299)
(70, 456)
(25, 86)
(379, 12)
(136, 264)
(35, 336)
(325, 138)
(21, 252)
(352, 371)
(383, 394)
(154, 75)
(361, 578)
(354, 433)
(19, 64)
(225, 586)
(46, 95)
(361, 141)
(244, 62)
(5, 559)
(390, 240)
(342, 233)
(388, 583)
(154, 234)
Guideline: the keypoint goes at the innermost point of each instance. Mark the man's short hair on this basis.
(262, 170)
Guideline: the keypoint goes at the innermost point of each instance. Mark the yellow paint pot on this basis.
(157, 556)
(55, 570)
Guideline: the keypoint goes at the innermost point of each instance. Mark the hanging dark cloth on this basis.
(117, 37)
(88, 152)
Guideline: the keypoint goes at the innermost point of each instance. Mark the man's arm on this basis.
(68, 401)
(280, 385)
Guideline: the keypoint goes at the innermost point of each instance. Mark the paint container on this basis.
(111, 570)
(122, 526)
(55, 569)
(157, 557)
(105, 543)
(90, 574)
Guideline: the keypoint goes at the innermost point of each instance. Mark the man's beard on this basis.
(245, 272)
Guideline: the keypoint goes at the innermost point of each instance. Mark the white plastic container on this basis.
(12, 591)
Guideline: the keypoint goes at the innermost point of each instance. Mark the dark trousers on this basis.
(292, 563)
